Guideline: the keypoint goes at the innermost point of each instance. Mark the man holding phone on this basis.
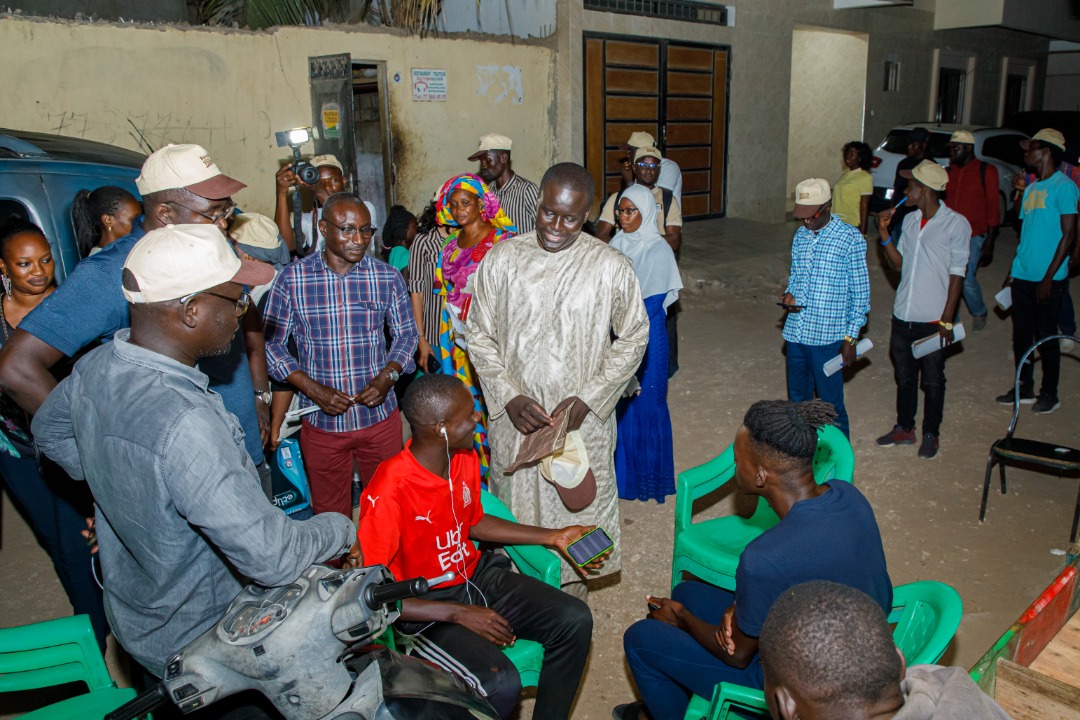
(827, 298)
(420, 515)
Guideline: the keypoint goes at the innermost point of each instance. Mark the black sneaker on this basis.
(929, 447)
(897, 436)
(1026, 398)
(1046, 405)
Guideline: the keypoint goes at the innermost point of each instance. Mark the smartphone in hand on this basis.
(589, 546)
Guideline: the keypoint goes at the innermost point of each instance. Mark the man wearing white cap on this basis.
(181, 520)
(973, 192)
(931, 256)
(178, 184)
(670, 174)
(827, 298)
(647, 165)
(1040, 272)
(516, 194)
(331, 180)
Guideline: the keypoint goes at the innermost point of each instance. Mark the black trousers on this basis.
(929, 371)
(535, 611)
(1034, 320)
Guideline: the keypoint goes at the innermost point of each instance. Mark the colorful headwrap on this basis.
(490, 209)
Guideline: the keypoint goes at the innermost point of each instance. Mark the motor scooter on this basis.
(308, 648)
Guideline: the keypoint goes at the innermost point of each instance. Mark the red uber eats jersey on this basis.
(407, 523)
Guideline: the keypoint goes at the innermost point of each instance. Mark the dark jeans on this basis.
(535, 611)
(908, 371)
(1034, 320)
(1067, 316)
(805, 375)
(56, 508)
(669, 664)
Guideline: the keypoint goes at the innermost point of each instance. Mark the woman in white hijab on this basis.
(644, 459)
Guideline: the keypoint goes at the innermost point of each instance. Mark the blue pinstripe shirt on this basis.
(828, 276)
(337, 322)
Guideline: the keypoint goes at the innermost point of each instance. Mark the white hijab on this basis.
(653, 259)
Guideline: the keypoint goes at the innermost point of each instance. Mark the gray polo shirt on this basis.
(181, 517)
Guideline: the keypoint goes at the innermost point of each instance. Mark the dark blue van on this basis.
(40, 174)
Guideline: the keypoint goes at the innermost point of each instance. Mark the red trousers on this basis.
(329, 458)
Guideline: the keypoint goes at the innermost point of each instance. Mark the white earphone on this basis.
(442, 431)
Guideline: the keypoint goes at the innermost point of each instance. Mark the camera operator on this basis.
(331, 180)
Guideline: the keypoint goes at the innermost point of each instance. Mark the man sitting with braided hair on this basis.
(704, 635)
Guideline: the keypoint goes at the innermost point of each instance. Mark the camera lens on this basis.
(308, 173)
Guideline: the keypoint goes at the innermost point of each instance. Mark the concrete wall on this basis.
(230, 90)
(761, 78)
(828, 88)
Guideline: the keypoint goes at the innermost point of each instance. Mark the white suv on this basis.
(998, 146)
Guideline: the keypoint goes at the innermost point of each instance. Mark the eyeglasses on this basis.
(625, 211)
(214, 219)
(241, 302)
(350, 231)
(647, 165)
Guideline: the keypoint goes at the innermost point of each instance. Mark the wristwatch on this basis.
(946, 325)
(394, 375)
(264, 395)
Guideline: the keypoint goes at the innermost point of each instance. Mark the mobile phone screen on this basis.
(589, 546)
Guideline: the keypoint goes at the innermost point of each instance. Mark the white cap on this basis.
(491, 141)
(185, 166)
(809, 196)
(177, 260)
(255, 230)
(327, 161)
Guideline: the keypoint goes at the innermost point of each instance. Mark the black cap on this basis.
(919, 134)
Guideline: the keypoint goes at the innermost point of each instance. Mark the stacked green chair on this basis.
(926, 614)
(710, 549)
(57, 652)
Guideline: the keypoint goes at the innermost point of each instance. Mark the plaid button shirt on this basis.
(829, 278)
(338, 323)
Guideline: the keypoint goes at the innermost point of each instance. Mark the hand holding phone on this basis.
(589, 547)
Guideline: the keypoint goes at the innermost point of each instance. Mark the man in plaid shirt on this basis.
(335, 304)
(827, 298)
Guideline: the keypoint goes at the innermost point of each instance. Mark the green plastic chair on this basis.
(710, 549)
(536, 562)
(926, 614)
(56, 652)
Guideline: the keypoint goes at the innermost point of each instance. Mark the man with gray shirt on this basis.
(182, 522)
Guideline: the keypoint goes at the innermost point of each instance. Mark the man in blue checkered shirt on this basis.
(827, 298)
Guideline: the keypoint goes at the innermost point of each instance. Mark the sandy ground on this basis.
(731, 356)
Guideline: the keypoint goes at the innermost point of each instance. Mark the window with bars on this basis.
(688, 10)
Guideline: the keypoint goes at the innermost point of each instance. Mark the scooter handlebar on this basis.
(383, 595)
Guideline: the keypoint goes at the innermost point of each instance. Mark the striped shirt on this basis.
(423, 257)
(338, 324)
(518, 199)
(829, 279)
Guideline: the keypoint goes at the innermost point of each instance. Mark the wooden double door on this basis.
(676, 92)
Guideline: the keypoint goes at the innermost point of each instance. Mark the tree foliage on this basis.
(414, 15)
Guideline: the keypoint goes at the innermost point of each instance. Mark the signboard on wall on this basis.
(428, 85)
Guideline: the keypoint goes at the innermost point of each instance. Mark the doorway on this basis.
(676, 92)
(828, 97)
(371, 137)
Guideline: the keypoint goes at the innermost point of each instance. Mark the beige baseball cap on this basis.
(929, 173)
(491, 141)
(327, 161)
(255, 230)
(1046, 135)
(177, 260)
(963, 137)
(185, 166)
(640, 140)
(647, 152)
(809, 196)
(569, 471)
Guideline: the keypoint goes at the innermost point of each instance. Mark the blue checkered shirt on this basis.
(338, 324)
(828, 277)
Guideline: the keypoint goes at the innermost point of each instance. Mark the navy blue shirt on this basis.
(90, 307)
(830, 537)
